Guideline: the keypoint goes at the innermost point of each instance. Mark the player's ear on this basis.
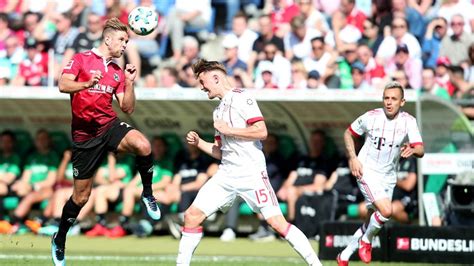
(402, 103)
(216, 78)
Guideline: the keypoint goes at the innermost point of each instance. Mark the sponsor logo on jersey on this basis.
(99, 88)
(116, 77)
(249, 101)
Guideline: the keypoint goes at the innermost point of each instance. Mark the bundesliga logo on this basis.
(430, 244)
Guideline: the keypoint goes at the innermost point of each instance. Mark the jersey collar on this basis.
(104, 60)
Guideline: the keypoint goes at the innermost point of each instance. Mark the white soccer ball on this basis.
(142, 20)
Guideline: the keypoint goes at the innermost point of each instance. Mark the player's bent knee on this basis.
(193, 217)
(386, 211)
(143, 146)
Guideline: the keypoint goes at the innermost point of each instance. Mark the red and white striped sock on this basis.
(190, 238)
(301, 244)
(376, 223)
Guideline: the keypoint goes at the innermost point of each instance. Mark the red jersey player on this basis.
(92, 79)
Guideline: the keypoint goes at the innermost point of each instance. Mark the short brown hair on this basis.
(113, 24)
(395, 85)
(202, 66)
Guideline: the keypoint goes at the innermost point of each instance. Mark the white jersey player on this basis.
(239, 128)
(389, 133)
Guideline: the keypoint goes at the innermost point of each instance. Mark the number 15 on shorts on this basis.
(261, 195)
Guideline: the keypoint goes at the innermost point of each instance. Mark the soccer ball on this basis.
(142, 20)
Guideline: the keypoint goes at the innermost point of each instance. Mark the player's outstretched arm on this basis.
(256, 131)
(354, 163)
(212, 149)
(68, 84)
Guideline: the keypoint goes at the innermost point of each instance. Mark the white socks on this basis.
(376, 223)
(354, 243)
(189, 241)
(301, 244)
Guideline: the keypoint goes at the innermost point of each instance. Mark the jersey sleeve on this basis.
(249, 109)
(121, 86)
(359, 126)
(74, 66)
(414, 136)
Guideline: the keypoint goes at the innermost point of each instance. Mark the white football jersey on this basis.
(384, 138)
(239, 109)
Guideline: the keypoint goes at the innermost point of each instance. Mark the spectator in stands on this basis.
(401, 77)
(358, 77)
(469, 66)
(194, 13)
(86, 40)
(10, 62)
(162, 176)
(30, 23)
(463, 89)
(63, 37)
(402, 61)
(169, 78)
(352, 15)
(349, 56)
(399, 35)
(435, 32)
(33, 71)
(281, 13)
(192, 172)
(442, 75)
(299, 75)
(242, 79)
(230, 43)
(150, 81)
(449, 8)
(371, 36)
(9, 170)
(416, 24)
(430, 86)
(190, 51)
(280, 67)
(315, 81)
(37, 180)
(298, 40)
(112, 180)
(63, 191)
(374, 72)
(455, 47)
(115, 9)
(313, 17)
(267, 73)
(186, 77)
(5, 31)
(309, 176)
(266, 35)
(320, 58)
(246, 37)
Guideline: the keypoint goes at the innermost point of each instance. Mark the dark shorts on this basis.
(88, 155)
(187, 199)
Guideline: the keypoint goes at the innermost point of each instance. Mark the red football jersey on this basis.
(92, 111)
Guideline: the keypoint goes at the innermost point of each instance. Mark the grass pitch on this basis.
(35, 250)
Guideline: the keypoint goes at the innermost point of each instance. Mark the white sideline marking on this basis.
(162, 258)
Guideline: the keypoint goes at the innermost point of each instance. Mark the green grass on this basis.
(35, 250)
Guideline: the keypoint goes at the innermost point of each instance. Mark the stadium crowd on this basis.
(426, 45)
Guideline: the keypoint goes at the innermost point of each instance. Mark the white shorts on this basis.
(376, 186)
(220, 192)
